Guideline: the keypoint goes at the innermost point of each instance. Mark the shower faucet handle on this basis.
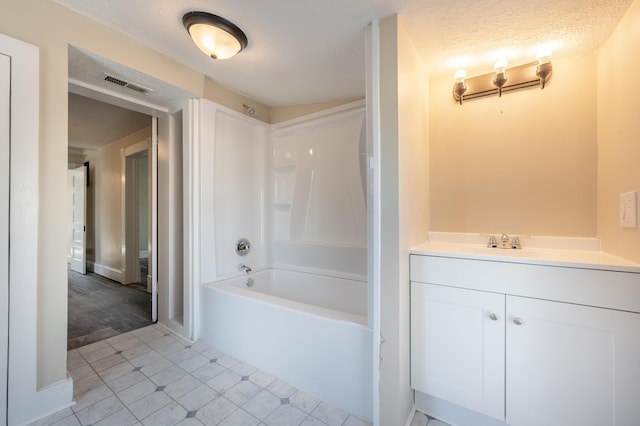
(492, 242)
(244, 268)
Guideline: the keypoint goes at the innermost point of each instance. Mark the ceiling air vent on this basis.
(129, 85)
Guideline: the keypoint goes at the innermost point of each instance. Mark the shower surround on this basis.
(297, 192)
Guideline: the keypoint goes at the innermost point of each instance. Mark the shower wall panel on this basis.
(234, 183)
(318, 192)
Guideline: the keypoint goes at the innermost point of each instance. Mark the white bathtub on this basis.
(308, 330)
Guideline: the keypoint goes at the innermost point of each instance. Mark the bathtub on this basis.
(308, 330)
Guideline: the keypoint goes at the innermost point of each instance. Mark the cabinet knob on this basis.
(493, 317)
(518, 321)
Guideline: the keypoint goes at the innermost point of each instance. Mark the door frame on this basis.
(130, 222)
(5, 138)
(162, 281)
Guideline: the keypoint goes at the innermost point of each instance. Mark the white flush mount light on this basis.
(216, 37)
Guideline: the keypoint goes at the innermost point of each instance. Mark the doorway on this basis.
(110, 148)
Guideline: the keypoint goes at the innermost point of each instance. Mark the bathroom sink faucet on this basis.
(244, 268)
(504, 242)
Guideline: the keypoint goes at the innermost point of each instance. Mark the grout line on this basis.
(165, 356)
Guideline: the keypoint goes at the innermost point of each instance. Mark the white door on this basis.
(78, 213)
(571, 365)
(5, 85)
(457, 346)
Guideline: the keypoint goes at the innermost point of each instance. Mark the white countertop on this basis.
(573, 258)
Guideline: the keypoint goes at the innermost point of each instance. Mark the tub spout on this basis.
(244, 268)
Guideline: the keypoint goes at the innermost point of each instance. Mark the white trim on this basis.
(374, 205)
(152, 282)
(5, 144)
(137, 147)
(105, 271)
(190, 215)
(129, 237)
(412, 413)
(101, 94)
(25, 401)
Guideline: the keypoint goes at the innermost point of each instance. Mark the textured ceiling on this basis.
(305, 52)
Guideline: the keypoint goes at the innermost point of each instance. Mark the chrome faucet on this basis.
(504, 242)
(244, 268)
(515, 243)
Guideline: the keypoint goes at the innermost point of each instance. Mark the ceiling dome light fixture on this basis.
(215, 36)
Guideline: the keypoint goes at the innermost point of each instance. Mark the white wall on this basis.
(404, 212)
(318, 186)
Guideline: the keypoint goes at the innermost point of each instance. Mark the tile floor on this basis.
(420, 419)
(150, 376)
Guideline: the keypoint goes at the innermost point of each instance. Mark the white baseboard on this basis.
(106, 271)
(412, 413)
(44, 402)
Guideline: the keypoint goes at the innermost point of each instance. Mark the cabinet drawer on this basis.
(607, 289)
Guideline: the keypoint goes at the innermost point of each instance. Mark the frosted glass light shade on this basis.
(215, 36)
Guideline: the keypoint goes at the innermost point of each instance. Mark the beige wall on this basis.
(219, 94)
(619, 132)
(52, 28)
(284, 113)
(404, 206)
(104, 202)
(525, 163)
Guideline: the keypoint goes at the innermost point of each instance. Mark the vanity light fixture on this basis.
(543, 70)
(500, 76)
(215, 36)
(459, 87)
(503, 79)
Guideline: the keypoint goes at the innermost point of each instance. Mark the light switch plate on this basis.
(629, 209)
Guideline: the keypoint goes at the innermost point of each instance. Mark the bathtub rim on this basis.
(290, 305)
(290, 268)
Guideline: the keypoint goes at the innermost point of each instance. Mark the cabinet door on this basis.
(457, 346)
(571, 365)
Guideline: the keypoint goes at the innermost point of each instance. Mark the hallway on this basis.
(100, 308)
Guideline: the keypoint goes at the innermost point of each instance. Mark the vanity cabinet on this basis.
(486, 350)
(457, 346)
(571, 365)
